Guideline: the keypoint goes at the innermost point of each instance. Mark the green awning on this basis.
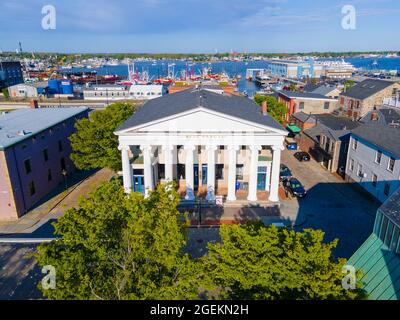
(293, 128)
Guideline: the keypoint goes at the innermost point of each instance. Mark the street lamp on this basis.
(65, 173)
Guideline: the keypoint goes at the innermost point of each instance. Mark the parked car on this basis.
(302, 156)
(342, 171)
(285, 173)
(295, 187)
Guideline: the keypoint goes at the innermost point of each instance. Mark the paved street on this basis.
(19, 275)
(331, 205)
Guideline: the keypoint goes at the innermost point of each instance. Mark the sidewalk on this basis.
(57, 204)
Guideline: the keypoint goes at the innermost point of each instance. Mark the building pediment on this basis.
(201, 120)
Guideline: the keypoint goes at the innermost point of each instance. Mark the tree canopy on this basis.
(94, 144)
(276, 110)
(119, 247)
(257, 262)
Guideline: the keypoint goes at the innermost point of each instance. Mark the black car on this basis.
(302, 156)
(295, 187)
(285, 173)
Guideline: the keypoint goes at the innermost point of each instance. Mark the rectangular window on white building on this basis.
(360, 170)
(378, 157)
(352, 165)
(391, 164)
(355, 144)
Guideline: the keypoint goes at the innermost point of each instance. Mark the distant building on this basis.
(306, 102)
(366, 96)
(28, 90)
(34, 156)
(294, 68)
(122, 92)
(374, 159)
(146, 91)
(338, 69)
(379, 256)
(326, 137)
(106, 92)
(10, 73)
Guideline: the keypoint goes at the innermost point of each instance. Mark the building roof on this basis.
(391, 208)
(382, 136)
(336, 123)
(304, 95)
(324, 90)
(385, 116)
(331, 126)
(304, 117)
(18, 125)
(380, 267)
(367, 88)
(310, 87)
(186, 100)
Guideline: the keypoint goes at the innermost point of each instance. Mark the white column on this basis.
(189, 172)
(268, 178)
(148, 172)
(276, 163)
(232, 172)
(126, 169)
(252, 196)
(169, 162)
(211, 172)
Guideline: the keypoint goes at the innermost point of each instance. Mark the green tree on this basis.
(257, 262)
(348, 84)
(121, 247)
(5, 92)
(94, 144)
(275, 109)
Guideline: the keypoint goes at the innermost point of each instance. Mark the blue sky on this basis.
(199, 25)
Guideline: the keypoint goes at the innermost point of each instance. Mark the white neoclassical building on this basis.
(209, 143)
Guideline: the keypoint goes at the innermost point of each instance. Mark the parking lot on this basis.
(336, 207)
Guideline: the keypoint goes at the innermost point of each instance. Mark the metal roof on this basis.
(382, 136)
(380, 267)
(172, 104)
(18, 125)
(367, 88)
(391, 208)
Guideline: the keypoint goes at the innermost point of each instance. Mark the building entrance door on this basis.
(196, 177)
(138, 184)
(204, 173)
(262, 181)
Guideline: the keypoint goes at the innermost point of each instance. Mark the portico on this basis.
(206, 142)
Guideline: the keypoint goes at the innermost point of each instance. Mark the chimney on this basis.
(374, 116)
(33, 104)
(264, 108)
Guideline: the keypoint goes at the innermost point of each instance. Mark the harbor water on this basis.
(160, 68)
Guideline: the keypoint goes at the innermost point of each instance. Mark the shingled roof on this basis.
(172, 104)
(367, 88)
(382, 136)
